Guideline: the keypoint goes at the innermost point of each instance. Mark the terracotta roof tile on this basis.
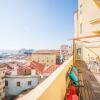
(56, 52)
(51, 69)
(35, 65)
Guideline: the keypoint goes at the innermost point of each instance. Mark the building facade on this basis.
(2, 84)
(17, 84)
(65, 51)
(47, 57)
(21, 78)
(87, 18)
(87, 23)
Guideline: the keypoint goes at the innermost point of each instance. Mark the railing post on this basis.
(74, 50)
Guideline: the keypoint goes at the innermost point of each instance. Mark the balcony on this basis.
(54, 87)
(95, 25)
(95, 21)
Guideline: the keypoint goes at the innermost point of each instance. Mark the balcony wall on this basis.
(54, 87)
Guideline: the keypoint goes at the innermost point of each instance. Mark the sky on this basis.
(36, 24)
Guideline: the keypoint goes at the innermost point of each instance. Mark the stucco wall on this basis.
(54, 87)
(47, 59)
(88, 12)
(89, 16)
(13, 89)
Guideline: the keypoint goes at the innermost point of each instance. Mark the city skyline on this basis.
(36, 24)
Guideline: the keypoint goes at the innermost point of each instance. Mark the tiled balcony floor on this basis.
(97, 76)
(91, 88)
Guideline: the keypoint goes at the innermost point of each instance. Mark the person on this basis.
(72, 93)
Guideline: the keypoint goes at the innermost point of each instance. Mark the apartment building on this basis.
(47, 57)
(66, 51)
(87, 25)
(16, 77)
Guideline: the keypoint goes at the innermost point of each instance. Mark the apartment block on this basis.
(87, 23)
(47, 57)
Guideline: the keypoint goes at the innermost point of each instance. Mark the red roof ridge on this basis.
(51, 68)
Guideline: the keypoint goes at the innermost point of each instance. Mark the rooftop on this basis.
(57, 83)
(53, 52)
(50, 69)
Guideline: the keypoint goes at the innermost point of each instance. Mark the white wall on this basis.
(13, 89)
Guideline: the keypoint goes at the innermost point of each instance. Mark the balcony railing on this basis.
(54, 87)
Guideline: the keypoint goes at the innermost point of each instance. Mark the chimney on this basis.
(14, 71)
(33, 72)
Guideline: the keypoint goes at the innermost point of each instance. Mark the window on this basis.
(47, 57)
(38, 59)
(2, 77)
(6, 83)
(29, 82)
(3, 89)
(81, 28)
(18, 83)
(81, 9)
(81, 6)
(52, 61)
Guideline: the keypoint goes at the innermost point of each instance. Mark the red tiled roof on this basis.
(51, 69)
(56, 52)
(8, 71)
(35, 65)
(23, 69)
(5, 65)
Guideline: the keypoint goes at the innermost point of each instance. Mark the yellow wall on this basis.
(52, 88)
(76, 24)
(47, 59)
(88, 15)
(56, 91)
(87, 23)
